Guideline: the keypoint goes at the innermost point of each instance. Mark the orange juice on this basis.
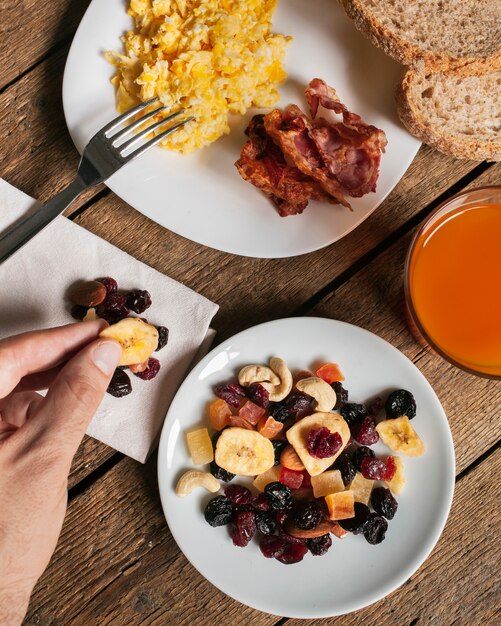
(454, 283)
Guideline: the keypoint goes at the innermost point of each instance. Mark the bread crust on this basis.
(407, 53)
(447, 143)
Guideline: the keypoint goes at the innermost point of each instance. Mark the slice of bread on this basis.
(457, 115)
(460, 35)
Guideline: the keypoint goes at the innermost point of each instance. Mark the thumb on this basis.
(75, 395)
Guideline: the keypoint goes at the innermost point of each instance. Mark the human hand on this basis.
(38, 439)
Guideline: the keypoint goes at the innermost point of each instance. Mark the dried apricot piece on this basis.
(219, 414)
(330, 372)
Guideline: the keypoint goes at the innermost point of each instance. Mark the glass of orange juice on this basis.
(453, 281)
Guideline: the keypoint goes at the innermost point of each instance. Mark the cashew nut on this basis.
(322, 392)
(280, 391)
(258, 374)
(193, 478)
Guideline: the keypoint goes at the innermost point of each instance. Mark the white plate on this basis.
(201, 196)
(353, 574)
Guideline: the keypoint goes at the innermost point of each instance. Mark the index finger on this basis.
(41, 350)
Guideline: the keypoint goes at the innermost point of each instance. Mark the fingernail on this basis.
(106, 356)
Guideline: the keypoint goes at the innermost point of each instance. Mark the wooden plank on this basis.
(90, 455)
(29, 30)
(459, 584)
(117, 563)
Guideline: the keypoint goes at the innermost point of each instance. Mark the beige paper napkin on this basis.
(33, 284)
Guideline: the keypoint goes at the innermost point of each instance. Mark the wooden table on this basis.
(116, 562)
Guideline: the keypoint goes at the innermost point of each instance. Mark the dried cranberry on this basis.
(365, 432)
(151, 371)
(360, 454)
(219, 511)
(375, 529)
(120, 384)
(308, 515)
(220, 473)
(258, 394)
(243, 528)
(322, 443)
(113, 316)
(238, 494)
(383, 502)
(279, 496)
(345, 465)
(290, 538)
(163, 337)
(110, 284)
(391, 468)
(353, 413)
(113, 308)
(376, 406)
(293, 553)
(319, 545)
(377, 469)
(341, 394)
(260, 502)
(230, 393)
(272, 546)
(266, 523)
(281, 517)
(78, 312)
(298, 404)
(400, 402)
(356, 524)
(138, 300)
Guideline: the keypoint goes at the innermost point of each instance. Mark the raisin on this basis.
(110, 284)
(279, 496)
(232, 393)
(365, 432)
(341, 394)
(383, 502)
(279, 412)
(375, 529)
(266, 523)
(113, 308)
(78, 312)
(218, 511)
(271, 546)
(360, 454)
(258, 394)
(293, 553)
(238, 494)
(345, 465)
(353, 413)
(322, 443)
(120, 384)
(278, 446)
(319, 545)
(298, 404)
(220, 473)
(376, 406)
(377, 469)
(260, 502)
(163, 337)
(243, 528)
(357, 523)
(151, 371)
(400, 402)
(308, 515)
(138, 300)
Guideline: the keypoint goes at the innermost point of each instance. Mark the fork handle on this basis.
(14, 238)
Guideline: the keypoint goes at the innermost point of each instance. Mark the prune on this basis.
(308, 515)
(238, 494)
(219, 511)
(345, 465)
(138, 300)
(360, 454)
(375, 529)
(232, 393)
(400, 402)
(220, 473)
(258, 394)
(260, 502)
(278, 446)
(357, 523)
(319, 545)
(279, 496)
(383, 502)
(120, 384)
(322, 443)
(78, 312)
(298, 404)
(151, 371)
(365, 432)
(266, 523)
(243, 528)
(293, 553)
(353, 413)
(110, 284)
(163, 337)
(341, 394)
(271, 546)
(279, 412)
(376, 406)
(377, 469)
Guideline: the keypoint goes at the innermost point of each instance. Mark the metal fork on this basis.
(104, 155)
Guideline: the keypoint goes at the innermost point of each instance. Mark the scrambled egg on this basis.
(212, 57)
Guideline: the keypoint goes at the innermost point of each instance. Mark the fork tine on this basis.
(144, 133)
(127, 115)
(152, 142)
(131, 127)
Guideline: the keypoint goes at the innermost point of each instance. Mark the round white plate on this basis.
(353, 574)
(201, 196)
